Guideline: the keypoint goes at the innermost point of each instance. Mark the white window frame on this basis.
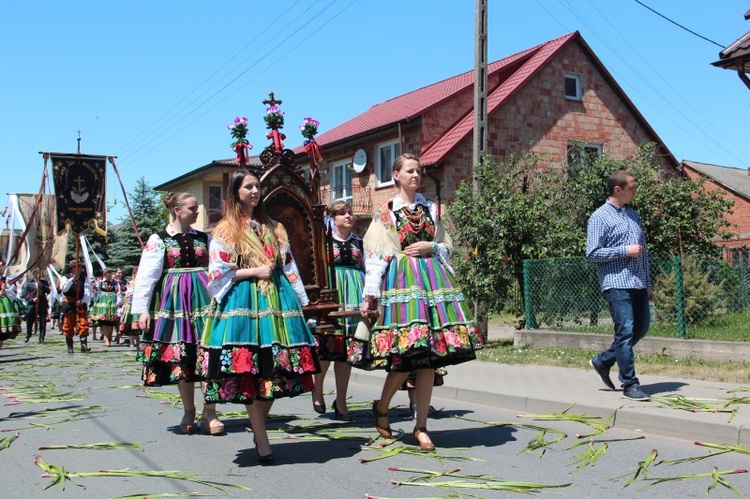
(584, 153)
(346, 174)
(386, 170)
(579, 90)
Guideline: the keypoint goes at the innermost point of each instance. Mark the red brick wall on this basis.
(538, 117)
(739, 217)
(541, 119)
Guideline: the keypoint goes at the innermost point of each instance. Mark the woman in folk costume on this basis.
(172, 303)
(104, 310)
(10, 322)
(424, 320)
(348, 261)
(256, 346)
(128, 320)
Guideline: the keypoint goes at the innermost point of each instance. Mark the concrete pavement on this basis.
(544, 389)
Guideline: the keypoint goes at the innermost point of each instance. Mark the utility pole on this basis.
(480, 83)
(480, 124)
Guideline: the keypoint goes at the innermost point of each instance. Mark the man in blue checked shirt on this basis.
(617, 245)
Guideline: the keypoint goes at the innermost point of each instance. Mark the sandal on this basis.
(187, 425)
(211, 423)
(426, 446)
(385, 431)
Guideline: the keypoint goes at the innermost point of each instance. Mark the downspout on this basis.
(437, 188)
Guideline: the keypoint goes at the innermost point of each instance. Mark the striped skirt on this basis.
(104, 310)
(128, 320)
(256, 346)
(179, 308)
(10, 322)
(424, 320)
(333, 346)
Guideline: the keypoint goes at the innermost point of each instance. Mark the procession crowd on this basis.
(226, 310)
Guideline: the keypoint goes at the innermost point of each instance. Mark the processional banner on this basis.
(81, 192)
(41, 226)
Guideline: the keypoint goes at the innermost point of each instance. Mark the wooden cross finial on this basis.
(272, 101)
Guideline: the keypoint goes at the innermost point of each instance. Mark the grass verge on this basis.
(504, 352)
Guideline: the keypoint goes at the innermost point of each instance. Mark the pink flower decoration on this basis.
(228, 388)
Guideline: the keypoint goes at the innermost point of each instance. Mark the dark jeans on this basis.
(631, 317)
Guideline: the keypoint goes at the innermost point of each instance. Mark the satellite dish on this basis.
(359, 161)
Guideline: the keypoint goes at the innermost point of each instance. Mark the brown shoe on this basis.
(426, 446)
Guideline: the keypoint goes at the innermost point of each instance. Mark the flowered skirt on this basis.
(425, 322)
(257, 346)
(333, 346)
(10, 322)
(179, 309)
(104, 310)
(128, 320)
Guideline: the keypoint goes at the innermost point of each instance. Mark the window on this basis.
(573, 86)
(386, 155)
(341, 182)
(580, 156)
(213, 209)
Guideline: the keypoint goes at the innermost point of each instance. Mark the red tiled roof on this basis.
(465, 126)
(522, 66)
(415, 103)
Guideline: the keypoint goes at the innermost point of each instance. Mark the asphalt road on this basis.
(51, 398)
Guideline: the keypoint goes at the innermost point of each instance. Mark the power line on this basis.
(255, 75)
(163, 116)
(704, 121)
(679, 25)
(190, 108)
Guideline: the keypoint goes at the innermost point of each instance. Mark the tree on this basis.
(501, 225)
(527, 210)
(150, 216)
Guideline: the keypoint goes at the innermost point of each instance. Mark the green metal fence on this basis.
(695, 296)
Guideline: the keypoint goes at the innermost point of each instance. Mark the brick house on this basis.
(734, 183)
(547, 99)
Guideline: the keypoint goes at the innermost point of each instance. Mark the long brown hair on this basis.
(233, 227)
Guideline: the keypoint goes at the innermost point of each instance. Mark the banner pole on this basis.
(28, 225)
(127, 204)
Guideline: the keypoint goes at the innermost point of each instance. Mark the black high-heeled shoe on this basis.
(320, 409)
(385, 431)
(266, 460)
(340, 415)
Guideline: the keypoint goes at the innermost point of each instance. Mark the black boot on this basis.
(85, 348)
(41, 336)
(69, 341)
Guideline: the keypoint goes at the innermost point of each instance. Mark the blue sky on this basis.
(156, 82)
